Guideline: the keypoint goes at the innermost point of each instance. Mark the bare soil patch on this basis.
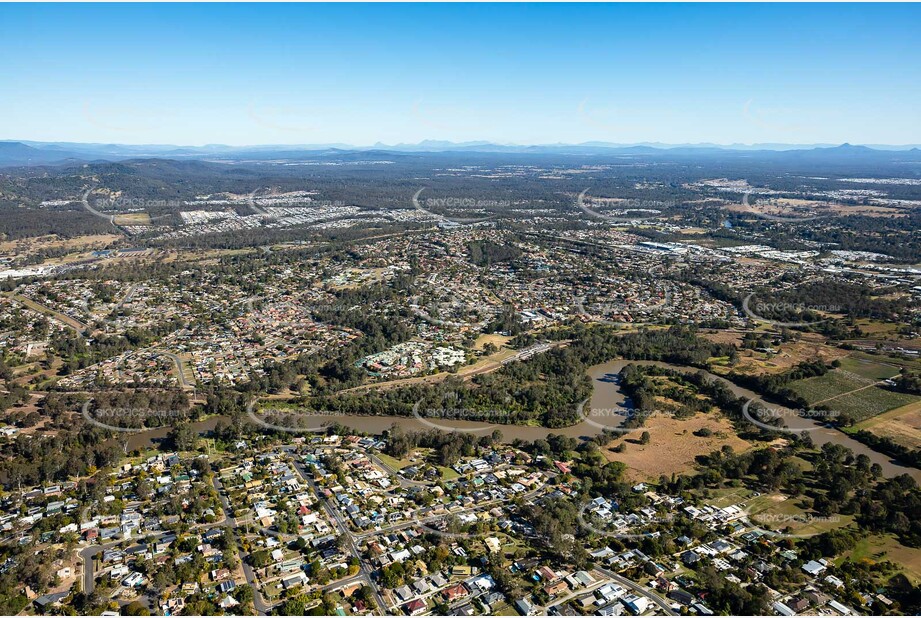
(902, 425)
(673, 446)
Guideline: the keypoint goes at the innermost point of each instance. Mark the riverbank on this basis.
(606, 396)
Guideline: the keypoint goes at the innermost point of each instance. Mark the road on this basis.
(75, 324)
(86, 555)
(640, 590)
(483, 366)
(232, 525)
(336, 516)
(364, 576)
(180, 374)
(126, 298)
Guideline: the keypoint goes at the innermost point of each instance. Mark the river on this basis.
(606, 396)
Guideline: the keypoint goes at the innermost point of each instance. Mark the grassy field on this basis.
(788, 355)
(870, 369)
(775, 508)
(398, 464)
(672, 445)
(504, 609)
(850, 393)
(873, 328)
(496, 340)
(902, 425)
(448, 474)
(780, 512)
(728, 496)
(23, 247)
(135, 218)
(392, 462)
(911, 363)
(875, 549)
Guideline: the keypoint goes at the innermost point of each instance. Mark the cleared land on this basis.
(789, 355)
(394, 463)
(135, 218)
(902, 425)
(22, 247)
(782, 513)
(672, 445)
(870, 369)
(497, 340)
(875, 549)
(851, 394)
(791, 207)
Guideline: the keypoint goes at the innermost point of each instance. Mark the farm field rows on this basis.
(902, 425)
(851, 394)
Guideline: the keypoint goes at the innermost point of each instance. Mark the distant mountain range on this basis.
(27, 153)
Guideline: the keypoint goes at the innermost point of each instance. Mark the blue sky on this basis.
(539, 73)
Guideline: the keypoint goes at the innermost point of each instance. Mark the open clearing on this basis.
(28, 245)
(672, 445)
(789, 355)
(792, 207)
(135, 218)
(902, 425)
(875, 549)
(395, 464)
(496, 340)
(851, 394)
(870, 369)
(778, 512)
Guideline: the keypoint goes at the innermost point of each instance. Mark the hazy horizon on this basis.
(243, 75)
(433, 143)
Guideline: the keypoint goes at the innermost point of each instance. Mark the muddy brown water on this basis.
(607, 407)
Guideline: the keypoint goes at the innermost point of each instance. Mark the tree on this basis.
(182, 437)
(135, 608)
